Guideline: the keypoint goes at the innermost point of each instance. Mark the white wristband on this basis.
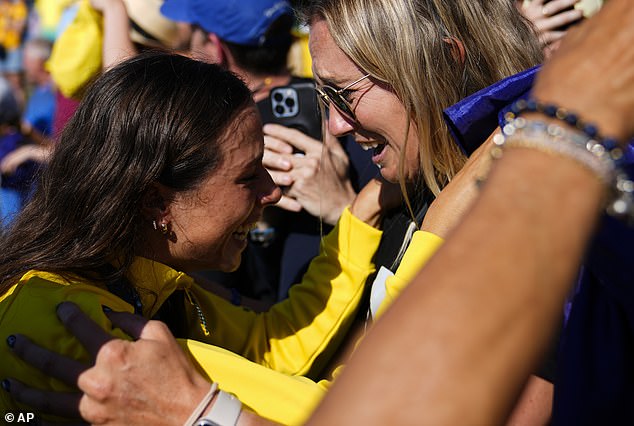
(224, 412)
(204, 403)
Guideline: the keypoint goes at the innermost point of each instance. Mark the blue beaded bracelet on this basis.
(621, 188)
(570, 118)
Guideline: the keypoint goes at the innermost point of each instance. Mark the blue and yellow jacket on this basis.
(259, 357)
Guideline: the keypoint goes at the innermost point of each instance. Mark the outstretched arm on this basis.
(117, 44)
(496, 274)
(146, 381)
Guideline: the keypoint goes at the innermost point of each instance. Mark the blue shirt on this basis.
(40, 109)
(594, 382)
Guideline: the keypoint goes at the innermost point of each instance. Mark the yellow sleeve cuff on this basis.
(350, 234)
(284, 399)
(422, 247)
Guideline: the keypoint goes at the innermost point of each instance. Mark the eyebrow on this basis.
(327, 81)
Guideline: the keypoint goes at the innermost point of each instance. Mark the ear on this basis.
(457, 48)
(155, 203)
(216, 50)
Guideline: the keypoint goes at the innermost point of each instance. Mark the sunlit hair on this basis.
(411, 45)
(157, 117)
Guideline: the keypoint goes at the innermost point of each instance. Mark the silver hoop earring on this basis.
(164, 229)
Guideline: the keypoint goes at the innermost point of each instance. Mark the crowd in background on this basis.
(51, 53)
(38, 97)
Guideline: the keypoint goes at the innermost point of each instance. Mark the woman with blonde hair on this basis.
(390, 73)
(390, 69)
(472, 374)
(431, 54)
(166, 179)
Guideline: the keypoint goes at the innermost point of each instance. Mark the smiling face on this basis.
(381, 119)
(211, 222)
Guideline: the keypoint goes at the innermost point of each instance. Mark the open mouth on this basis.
(376, 146)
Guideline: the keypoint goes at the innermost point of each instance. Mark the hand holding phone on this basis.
(295, 106)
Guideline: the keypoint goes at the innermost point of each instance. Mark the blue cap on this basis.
(242, 22)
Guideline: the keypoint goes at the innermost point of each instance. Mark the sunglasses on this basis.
(330, 95)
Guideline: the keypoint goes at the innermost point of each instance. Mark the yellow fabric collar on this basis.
(155, 282)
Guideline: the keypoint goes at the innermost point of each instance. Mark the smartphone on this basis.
(296, 106)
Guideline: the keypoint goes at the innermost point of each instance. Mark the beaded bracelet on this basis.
(600, 155)
(570, 118)
(555, 139)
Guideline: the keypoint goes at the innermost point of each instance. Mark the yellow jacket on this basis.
(13, 15)
(284, 338)
(421, 248)
(288, 337)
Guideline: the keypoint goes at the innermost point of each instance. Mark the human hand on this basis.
(322, 169)
(62, 404)
(446, 211)
(277, 161)
(146, 381)
(549, 18)
(596, 56)
(21, 155)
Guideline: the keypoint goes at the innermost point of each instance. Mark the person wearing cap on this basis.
(252, 38)
(472, 374)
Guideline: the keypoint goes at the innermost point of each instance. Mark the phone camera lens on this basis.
(278, 97)
(290, 102)
(279, 109)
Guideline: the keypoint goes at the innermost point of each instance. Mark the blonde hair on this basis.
(432, 53)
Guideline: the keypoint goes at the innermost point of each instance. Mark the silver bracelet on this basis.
(580, 147)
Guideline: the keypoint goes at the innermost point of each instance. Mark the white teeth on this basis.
(367, 146)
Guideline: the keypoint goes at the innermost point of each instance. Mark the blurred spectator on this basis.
(102, 33)
(37, 120)
(13, 18)
(14, 187)
(253, 38)
(40, 106)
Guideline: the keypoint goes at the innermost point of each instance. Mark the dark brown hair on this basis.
(157, 117)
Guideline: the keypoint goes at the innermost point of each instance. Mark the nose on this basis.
(270, 193)
(338, 125)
